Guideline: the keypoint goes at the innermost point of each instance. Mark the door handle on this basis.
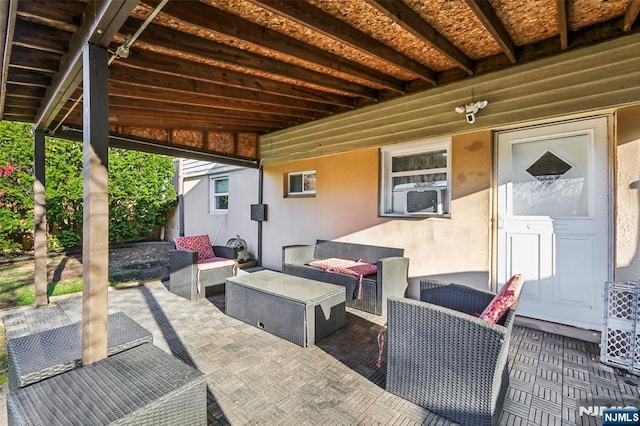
(500, 220)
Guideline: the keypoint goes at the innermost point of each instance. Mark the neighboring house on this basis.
(215, 199)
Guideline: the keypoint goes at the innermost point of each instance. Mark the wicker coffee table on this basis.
(299, 310)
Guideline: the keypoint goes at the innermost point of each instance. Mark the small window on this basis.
(302, 183)
(415, 179)
(218, 194)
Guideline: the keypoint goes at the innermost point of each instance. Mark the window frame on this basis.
(213, 194)
(385, 208)
(303, 193)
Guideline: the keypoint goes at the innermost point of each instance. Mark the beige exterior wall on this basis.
(628, 195)
(243, 191)
(345, 208)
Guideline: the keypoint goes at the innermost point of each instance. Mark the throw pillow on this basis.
(503, 300)
(364, 269)
(199, 243)
(345, 266)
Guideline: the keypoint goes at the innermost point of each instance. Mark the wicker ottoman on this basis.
(299, 310)
(41, 355)
(140, 386)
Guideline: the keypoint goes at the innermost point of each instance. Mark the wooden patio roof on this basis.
(207, 78)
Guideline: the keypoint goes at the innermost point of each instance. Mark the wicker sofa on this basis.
(389, 280)
(185, 270)
(444, 358)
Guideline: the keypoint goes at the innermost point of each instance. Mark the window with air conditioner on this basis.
(415, 179)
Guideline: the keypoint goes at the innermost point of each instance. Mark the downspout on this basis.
(260, 201)
(180, 198)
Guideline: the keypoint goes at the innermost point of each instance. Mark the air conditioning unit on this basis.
(419, 200)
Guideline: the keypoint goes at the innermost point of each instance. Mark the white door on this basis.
(553, 215)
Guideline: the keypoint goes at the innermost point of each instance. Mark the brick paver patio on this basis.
(256, 378)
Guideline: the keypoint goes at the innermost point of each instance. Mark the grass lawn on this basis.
(17, 287)
(128, 265)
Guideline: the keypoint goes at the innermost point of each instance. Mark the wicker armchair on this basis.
(442, 357)
(184, 274)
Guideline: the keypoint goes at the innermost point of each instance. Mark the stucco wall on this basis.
(345, 208)
(243, 191)
(628, 195)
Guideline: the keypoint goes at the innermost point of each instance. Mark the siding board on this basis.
(585, 80)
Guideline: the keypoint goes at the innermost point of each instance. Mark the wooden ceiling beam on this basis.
(317, 19)
(43, 62)
(487, 16)
(20, 102)
(124, 89)
(180, 67)
(126, 113)
(186, 85)
(20, 110)
(28, 78)
(168, 107)
(157, 37)
(563, 26)
(408, 19)
(157, 121)
(62, 16)
(7, 28)
(124, 137)
(226, 24)
(102, 19)
(28, 34)
(631, 14)
(24, 91)
(46, 21)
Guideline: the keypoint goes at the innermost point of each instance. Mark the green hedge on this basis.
(141, 192)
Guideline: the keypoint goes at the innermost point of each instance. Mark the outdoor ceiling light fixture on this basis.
(471, 110)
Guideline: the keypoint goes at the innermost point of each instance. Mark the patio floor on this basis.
(256, 378)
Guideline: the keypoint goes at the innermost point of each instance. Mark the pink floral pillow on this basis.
(199, 243)
(502, 301)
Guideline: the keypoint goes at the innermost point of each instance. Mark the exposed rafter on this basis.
(184, 84)
(215, 75)
(563, 27)
(330, 26)
(161, 107)
(140, 60)
(7, 23)
(130, 91)
(225, 24)
(103, 19)
(631, 14)
(170, 40)
(408, 19)
(485, 13)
